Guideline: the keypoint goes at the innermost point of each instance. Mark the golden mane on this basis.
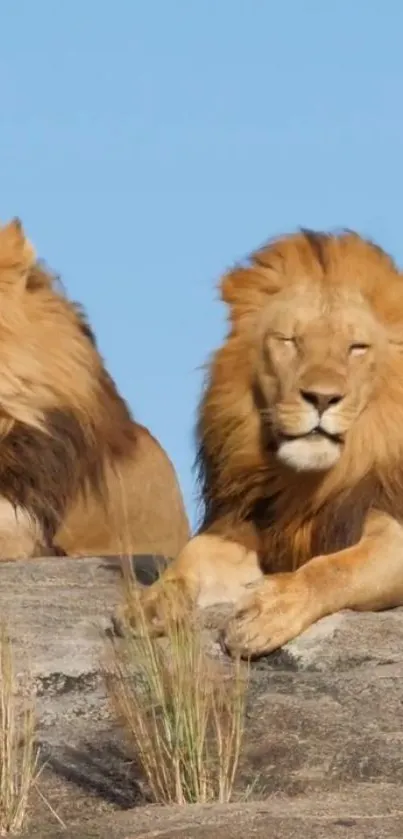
(246, 494)
(71, 456)
(300, 449)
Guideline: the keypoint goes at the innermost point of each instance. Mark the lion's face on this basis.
(317, 370)
(304, 397)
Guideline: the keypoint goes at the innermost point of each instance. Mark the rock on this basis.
(324, 729)
(56, 611)
(374, 814)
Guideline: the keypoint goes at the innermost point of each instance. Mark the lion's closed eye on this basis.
(359, 348)
(285, 340)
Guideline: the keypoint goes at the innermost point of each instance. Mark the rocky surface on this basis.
(324, 739)
(375, 814)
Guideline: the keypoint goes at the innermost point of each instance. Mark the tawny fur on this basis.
(295, 515)
(300, 444)
(77, 474)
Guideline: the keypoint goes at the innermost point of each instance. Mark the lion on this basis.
(78, 476)
(300, 446)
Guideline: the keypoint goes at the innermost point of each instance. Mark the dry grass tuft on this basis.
(18, 755)
(184, 716)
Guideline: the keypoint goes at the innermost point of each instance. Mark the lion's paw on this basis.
(152, 611)
(277, 610)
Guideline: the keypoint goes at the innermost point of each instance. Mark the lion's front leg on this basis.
(366, 577)
(209, 570)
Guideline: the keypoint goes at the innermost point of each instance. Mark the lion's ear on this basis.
(17, 256)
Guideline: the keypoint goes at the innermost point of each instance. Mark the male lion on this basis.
(77, 475)
(300, 452)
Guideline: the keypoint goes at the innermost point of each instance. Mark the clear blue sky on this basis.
(147, 145)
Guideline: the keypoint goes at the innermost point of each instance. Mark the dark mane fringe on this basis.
(243, 500)
(42, 471)
(246, 494)
(85, 325)
(251, 515)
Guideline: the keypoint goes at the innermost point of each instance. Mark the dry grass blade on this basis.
(184, 719)
(18, 756)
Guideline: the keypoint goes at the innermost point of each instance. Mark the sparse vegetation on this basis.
(18, 755)
(184, 716)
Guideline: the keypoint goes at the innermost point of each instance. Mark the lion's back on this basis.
(141, 509)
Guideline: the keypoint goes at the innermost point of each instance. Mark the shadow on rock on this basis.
(104, 771)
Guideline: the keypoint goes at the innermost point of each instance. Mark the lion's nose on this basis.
(321, 400)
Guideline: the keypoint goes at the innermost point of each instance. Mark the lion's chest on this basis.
(288, 541)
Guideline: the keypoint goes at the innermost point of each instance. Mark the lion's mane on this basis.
(71, 455)
(246, 493)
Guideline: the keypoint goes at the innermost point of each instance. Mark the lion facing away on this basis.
(77, 475)
(300, 445)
